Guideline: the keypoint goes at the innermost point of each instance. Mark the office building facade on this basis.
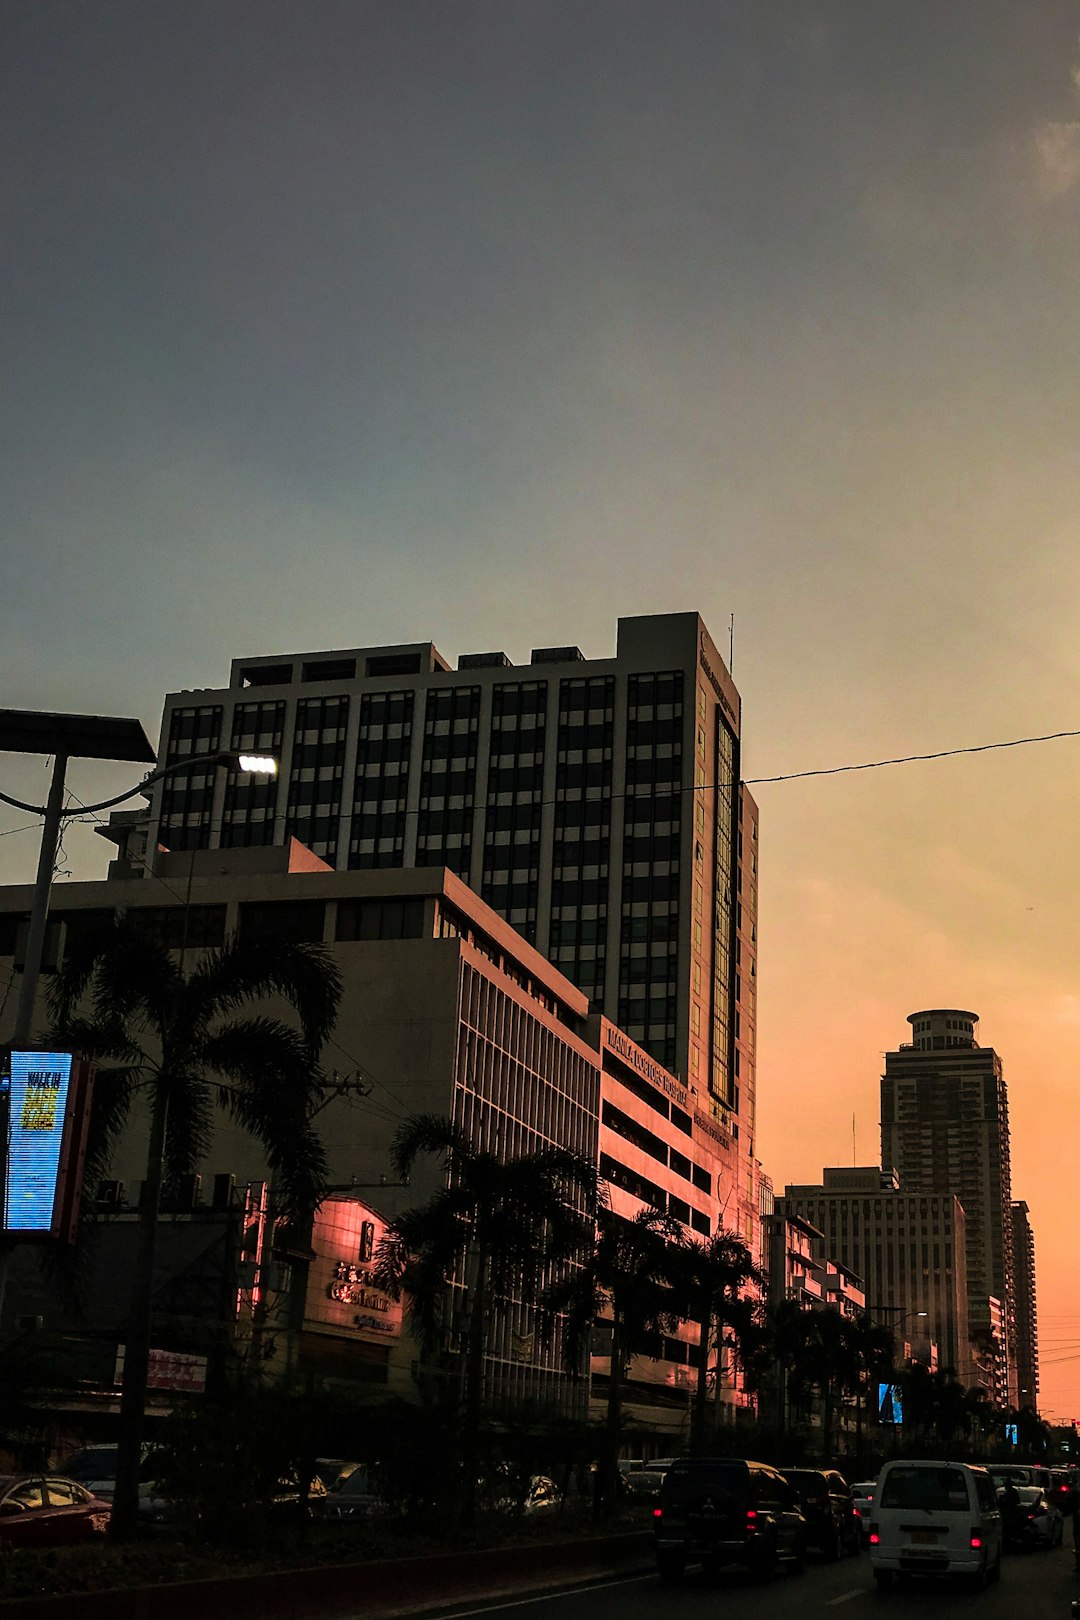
(445, 1010)
(908, 1249)
(595, 804)
(945, 1129)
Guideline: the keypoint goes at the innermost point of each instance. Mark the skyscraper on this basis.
(594, 803)
(1027, 1320)
(945, 1129)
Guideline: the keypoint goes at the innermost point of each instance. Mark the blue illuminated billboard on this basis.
(890, 1404)
(48, 1106)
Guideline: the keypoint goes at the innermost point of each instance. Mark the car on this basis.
(1020, 1474)
(935, 1518)
(49, 1510)
(95, 1468)
(645, 1484)
(1033, 1520)
(862, 1494)
(724, 1510)
(354, 1499)
(1062, 1486)
(832, 1524)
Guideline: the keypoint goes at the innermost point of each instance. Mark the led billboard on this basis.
(48, 1107)
(890, 1404)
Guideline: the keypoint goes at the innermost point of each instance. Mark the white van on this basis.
(934, 1518)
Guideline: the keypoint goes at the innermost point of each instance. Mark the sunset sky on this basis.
(488, 321)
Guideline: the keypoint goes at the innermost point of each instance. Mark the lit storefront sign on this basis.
(48, 1111)
(342, 1295)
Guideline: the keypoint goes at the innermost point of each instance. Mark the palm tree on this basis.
(499, 1222)
(714, 1277)
(874, 1351)
(630, 1278)
(791, 1333)
(157, 1030)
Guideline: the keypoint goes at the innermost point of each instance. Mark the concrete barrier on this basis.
(368, 1590)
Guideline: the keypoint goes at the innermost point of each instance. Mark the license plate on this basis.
(924, 1538)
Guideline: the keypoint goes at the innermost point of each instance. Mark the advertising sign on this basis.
(890, 1404)
(48, 1111)
(169, 1369)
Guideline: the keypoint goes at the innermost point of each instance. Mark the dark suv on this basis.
(716, 1510)
(832, 1524)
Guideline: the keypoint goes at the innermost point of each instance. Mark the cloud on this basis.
(1057, 150)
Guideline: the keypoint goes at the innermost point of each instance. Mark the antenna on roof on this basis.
(854, 1160)
(731, 645)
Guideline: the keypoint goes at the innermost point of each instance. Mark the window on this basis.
(296, 921)
(380, 919)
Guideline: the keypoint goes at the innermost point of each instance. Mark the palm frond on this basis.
(189, 1125)
(110, 1106)
(272, 1074)
(244, 970)
(429, 1133)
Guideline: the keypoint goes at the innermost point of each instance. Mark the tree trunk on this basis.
(701, 1396)
(124, 1521)
(608, 1466)
(474, 1388)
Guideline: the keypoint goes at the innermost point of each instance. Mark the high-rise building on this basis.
(1027, 1321)
(595, 804)
(945, 1129)
(908, 1248)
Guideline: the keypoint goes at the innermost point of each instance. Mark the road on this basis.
(1036, 1586)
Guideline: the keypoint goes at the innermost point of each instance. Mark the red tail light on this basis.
(858, 1513)
(976, 1540)
(658, 1513)
(874, 1538)
(751, 1515)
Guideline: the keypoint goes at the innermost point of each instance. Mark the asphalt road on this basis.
(1035, 1586)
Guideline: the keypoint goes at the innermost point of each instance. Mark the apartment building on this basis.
(945, 1130)
(1027, 1318)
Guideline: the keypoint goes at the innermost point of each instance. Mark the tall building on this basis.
(945, 1129)
(595, 804)
(908, 1248)
(1027, 1321)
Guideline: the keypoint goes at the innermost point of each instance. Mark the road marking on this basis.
(845, 1597)
(546, 1597)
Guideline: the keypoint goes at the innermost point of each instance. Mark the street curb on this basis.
(373, 1590)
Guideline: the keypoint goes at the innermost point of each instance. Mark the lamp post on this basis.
(61, 735)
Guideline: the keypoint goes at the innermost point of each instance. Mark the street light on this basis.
(85, 737)
(64, 735)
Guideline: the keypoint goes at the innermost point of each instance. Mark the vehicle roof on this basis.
(933, 1462)
(681, 1463)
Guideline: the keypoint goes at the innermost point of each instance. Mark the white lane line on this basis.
(548, 1597)
(845, 1597)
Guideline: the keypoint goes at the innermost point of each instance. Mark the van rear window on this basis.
(937, 1490)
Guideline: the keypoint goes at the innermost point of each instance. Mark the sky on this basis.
(489, 321)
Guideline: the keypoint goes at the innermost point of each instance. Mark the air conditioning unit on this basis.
(111, 1193)
(222, 1196)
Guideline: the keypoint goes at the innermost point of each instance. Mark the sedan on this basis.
(862, 1494)
(1031, 1521)
(46, 1510)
